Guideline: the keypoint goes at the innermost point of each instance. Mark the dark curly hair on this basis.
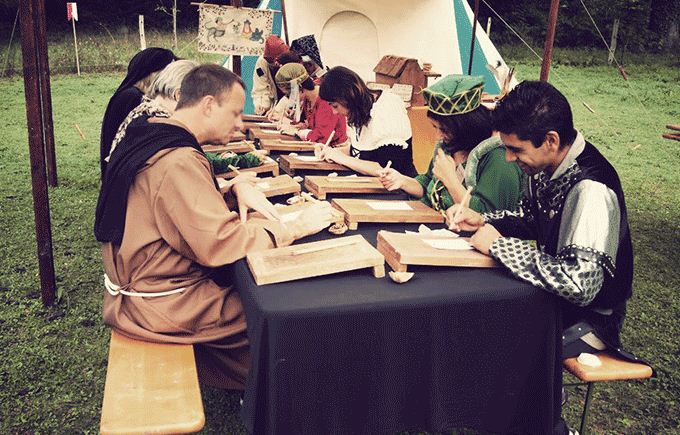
(533, 109)
(466, 131)
(344, 86)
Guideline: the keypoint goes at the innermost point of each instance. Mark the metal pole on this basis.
(41, 208)
(549, 40)
(474, 32)
(46, 96)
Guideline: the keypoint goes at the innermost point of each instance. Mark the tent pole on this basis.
(32, 88)
(474, 32)
(236, 60)
(46, 95)
(549, 40)
(285, 22)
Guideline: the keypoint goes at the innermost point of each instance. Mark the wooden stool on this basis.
(612, 369)
(151, 388)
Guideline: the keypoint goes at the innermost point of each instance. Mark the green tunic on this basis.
(497, 183)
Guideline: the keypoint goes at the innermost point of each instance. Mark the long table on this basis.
(352, 354)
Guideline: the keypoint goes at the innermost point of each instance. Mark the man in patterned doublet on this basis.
(573, 208)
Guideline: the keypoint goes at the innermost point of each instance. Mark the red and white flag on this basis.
(71, 11)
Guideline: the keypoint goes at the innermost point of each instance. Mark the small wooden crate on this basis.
(234, 147)
(286, 145)
(290, 164)
(400, 250)
(315, 259)
(320, 186)
(268, 166)
(359, 210)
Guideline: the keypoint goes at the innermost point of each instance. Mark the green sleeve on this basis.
(499, 184)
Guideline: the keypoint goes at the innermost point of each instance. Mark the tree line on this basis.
(644, 24)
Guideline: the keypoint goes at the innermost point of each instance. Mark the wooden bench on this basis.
(612, 369)
(151, 388)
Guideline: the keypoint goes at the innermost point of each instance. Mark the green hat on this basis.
(454, 94)
(290, 72)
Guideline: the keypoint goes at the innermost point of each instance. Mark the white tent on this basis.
(358, 33)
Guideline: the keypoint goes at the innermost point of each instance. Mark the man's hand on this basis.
(484, 237)
(248, 196)
(312, 220)
(444, 168)
(467, 220)
(391, 179)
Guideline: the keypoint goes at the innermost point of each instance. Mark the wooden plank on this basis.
(279, 185)
(249, 125)
(307, 260)
(612, 369)
(245, 146)
(361, 210)
(401, 250)
(289, 164)
(237, 136)
(673, 127)
(287, 145)
(267, 134)
(151, 388)
(673, 136)
(254, 118)
(268, 166)
(320, 186)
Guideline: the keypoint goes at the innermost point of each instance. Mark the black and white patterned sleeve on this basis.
(586, 249)
(575, 279)
(515, 223)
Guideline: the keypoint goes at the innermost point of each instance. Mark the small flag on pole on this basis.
(71, 11)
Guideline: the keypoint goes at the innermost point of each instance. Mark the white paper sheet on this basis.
(288, 217)
(263, 185)
(449, 243)
(389, 205)
(308, 158)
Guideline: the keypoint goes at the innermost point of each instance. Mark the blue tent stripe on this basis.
(464, 30)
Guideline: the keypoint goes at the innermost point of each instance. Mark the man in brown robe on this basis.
(176, 229)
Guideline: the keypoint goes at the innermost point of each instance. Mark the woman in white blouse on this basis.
(382, 130)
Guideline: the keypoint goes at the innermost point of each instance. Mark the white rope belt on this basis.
(115, 290)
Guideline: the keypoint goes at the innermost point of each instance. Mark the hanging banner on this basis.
(229, 30)
(71, 11)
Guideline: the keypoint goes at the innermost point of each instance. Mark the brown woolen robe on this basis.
(177, 228)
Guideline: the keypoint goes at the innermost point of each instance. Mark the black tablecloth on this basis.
(352, 354)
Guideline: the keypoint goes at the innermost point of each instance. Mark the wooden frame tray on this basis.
(401, 250)
(254, 118)
(359, 210)
(238, 136)
(338, 216)
(290, 164)
(258, 133)
(307, 260)
(268, 165)
(320, 185)
(279, 185)
(249, 125)
(286, 145)
(244, 146)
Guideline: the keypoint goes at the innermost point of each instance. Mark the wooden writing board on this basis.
(293, 210)
(279, 185)
(320, 186)
(306, 260)
(249, 125)
(286, 145)
(400, 250)
(289, 164)
(238, 136)
(359, 210)
(254, 118)
(234, 147)
(267, 134)
(268, 165)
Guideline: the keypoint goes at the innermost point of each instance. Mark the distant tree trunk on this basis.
(663, 21)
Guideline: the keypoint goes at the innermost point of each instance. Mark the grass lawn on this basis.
(53, 361)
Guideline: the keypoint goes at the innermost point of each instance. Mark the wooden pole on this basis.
(46, 95)
(285, 21)
(142, 38)
(174, 24)
(612, 45)
(549, 40)
(488, 26)
(75, 45)
(474, 32)
(236, 60)
(29, 47)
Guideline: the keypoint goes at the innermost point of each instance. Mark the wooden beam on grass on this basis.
(30, 20)
(549, 40)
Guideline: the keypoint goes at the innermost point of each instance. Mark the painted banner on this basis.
(71, 11)
(229, 30)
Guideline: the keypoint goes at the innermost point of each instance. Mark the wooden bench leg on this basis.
(584, 416)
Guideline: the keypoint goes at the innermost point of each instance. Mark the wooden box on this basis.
(234, 147)
(400, 250)
(268, 166)
(286, 145)
(289, 164)
(320, 186)
(369, 210)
